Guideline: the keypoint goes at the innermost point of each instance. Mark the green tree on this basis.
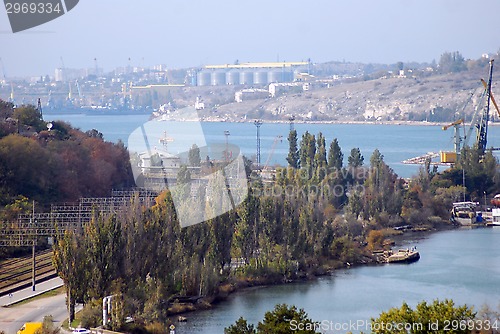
(425, 318)
(335, 156)
(452, 62)
(29, 116)
(241, 326)
(285, 319)
(194, 156)
(183, 175)
(70, 261)
(307, 152)
(355, 159)
(104, 250)
(293, 157)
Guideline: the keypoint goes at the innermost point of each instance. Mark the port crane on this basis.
(456, 136)
(276, 140)
(479, 121)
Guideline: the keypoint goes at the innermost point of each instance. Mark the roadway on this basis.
(13, 317)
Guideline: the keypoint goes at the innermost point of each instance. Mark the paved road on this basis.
(13, 317)
(28, 292)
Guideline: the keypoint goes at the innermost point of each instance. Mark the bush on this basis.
(91, 315)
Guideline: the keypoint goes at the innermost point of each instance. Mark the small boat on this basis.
(404, 256)
(464, 213)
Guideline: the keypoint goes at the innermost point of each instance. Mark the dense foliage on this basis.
(62, 164)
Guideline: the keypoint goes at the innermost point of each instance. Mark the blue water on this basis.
(396, 142)
(463, 265)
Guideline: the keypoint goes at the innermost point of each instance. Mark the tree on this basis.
(183, 175)
(240, 327)
(307, 152)
(293, 153)
(286, 319)
(283, 319)
(452, 62)
(29, 116)
(425, 318)
(48, 326)
(320, 163)
(194, 156)
(70, 261)
(335, 156)
(355, 159)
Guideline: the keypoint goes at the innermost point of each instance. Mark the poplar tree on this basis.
(293, 153)
(335, 156)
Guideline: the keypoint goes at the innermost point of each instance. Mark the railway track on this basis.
(17, 273)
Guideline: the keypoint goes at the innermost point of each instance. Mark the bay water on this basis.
(462, 264)
(395, 142)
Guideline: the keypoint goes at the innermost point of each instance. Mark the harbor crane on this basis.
(276, 140)
(457, 140)
(480, 120)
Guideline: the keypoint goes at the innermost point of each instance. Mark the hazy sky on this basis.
(185, 33)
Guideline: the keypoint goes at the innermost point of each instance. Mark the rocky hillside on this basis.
(433, 98)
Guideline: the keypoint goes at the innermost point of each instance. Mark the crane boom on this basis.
(458, 122)
(492, 97)
(278, 138)
(482, 126)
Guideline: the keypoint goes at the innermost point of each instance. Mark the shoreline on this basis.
(241, 285)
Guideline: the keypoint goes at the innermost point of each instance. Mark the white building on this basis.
(250, 94)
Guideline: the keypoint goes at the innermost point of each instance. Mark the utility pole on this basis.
(226, 153)
(258, 123)
(33, 274)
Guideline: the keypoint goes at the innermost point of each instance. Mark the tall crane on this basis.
(456, 136)
(482, 126)
(276, 139)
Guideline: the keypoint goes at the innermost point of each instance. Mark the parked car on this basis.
(80, 331)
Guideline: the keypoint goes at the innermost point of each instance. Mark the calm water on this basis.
(396, 143)
(463, 265)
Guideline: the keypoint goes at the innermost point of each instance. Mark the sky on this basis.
(189, 33)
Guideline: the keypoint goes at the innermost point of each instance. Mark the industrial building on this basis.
(251, 74)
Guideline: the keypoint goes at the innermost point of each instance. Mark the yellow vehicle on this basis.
(30, 328)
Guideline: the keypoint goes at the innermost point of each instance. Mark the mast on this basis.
(482, 127)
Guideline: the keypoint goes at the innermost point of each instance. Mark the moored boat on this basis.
(404, 256)
(465, 214)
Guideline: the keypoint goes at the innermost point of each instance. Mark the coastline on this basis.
(240, 285)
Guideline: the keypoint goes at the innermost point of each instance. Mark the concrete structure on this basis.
(279, 88)
(250, 94)
(169, 162)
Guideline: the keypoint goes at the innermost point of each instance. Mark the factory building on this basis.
(251, 74)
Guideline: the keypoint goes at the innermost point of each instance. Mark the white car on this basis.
(80, 331)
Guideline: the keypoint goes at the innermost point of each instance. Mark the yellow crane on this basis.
(452, 157)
